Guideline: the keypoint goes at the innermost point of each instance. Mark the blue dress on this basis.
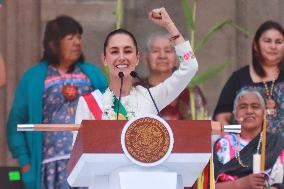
(57, 109)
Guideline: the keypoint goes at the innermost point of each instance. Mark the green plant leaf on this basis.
(217, 27)
(106, 72)
(202, 77)
(241, 29)
(188, 14)
(118, 14)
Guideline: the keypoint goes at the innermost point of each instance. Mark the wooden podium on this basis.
(97, 151)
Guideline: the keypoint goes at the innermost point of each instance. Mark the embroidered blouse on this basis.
(56, 109)
(163, 94)
(226, 149)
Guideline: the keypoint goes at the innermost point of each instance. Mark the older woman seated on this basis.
(233, 153)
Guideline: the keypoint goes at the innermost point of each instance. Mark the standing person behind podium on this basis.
(48, 93)
(161, 60)
(121, 55)
(233, 153)
(265, 73)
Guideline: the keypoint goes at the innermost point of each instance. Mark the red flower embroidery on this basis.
(186, 56)
(225, 178)
(218, 146)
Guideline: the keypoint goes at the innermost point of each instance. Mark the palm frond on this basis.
(217, 27)
(213, 71)
(188, 14)
(246, 33)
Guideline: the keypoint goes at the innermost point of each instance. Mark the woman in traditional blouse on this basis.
(233, 153)
(121, 55)
(48, 93)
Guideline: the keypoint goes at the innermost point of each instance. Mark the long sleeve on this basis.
(167, 91)
(163, 93)
(82, 113)
(18, 114)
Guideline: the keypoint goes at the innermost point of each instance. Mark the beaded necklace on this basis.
(237, 151)
(269, 101)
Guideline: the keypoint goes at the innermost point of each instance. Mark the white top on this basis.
(139, 101)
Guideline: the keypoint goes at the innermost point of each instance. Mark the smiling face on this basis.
(121, 54)
(249, 112)
(271, 46)
(70, 48)
(161, 57)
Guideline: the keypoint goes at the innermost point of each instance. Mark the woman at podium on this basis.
(234, 153)
(122, 100)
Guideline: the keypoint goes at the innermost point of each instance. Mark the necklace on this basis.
(130, 104)
(237, 151)
(269, 101)
(70, 91)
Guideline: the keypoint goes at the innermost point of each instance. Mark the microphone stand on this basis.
(120, 75)
(135, 75)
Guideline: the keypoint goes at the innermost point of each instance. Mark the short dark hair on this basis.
(120, 31)
(256, 55)
(56, 30)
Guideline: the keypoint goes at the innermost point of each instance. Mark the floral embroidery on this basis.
(180, 59)
(130, 104)
(192, 56)
(186, 56)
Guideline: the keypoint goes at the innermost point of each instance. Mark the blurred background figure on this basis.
(233, 153)
(2, 71)
(266, 73)
(48, 93)
(161, 60)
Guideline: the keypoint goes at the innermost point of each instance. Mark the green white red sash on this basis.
(93, 101)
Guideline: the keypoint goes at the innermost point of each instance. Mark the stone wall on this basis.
(22, 24)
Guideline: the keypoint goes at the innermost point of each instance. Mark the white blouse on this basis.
(163, 94)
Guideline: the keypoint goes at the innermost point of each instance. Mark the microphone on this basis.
(120, 75)
(135, 75)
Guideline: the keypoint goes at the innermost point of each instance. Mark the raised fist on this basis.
(160, 17)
